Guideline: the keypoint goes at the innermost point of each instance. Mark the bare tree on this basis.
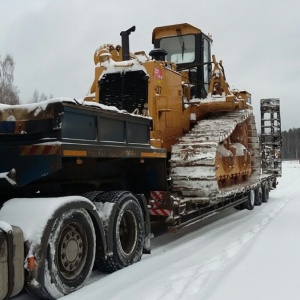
(37, 97)
(9, 93)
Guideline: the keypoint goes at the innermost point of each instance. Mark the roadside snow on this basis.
(269, 268)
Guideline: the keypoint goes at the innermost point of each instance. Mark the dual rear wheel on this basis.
(71, 248)
(126, 230)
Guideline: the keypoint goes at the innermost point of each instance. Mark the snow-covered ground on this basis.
(244, 255)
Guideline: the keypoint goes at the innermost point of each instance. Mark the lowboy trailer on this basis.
(157, 139)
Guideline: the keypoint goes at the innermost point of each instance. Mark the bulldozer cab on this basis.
(190, 50)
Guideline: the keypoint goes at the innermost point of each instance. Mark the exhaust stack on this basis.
(125, 42)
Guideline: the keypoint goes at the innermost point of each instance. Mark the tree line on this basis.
(291, 144)
(9, 92)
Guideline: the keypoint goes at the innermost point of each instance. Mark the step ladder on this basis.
(271, 136)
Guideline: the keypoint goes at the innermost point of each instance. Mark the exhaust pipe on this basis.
(125, 42)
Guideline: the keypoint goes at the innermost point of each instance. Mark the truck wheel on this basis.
(249, 204)
(128, 232)
(266, 191)
(70, 254)
(258, 196)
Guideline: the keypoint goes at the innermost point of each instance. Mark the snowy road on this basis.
(245, 255)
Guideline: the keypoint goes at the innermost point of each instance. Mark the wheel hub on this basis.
(71, 252)
(128, 232)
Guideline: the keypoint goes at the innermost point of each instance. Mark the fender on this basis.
(40, 252)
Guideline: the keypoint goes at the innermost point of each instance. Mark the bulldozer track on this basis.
(193, 166)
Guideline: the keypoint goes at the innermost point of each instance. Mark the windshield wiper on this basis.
(181, 42)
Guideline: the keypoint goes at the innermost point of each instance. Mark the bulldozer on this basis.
(208, 130)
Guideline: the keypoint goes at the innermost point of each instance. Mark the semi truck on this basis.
(160, 138)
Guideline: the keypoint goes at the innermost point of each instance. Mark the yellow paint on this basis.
(153, 154)
(76, 153)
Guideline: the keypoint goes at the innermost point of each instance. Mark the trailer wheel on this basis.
(70, 253)
(258, 196)
(265, 192)
(249, 204)
(128, 232)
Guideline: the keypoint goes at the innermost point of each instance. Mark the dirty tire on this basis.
(266, 191)
(249, 204)
(128, 232)
(70, 253)
(258, 196)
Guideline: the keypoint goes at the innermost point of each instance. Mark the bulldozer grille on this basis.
(126, 90)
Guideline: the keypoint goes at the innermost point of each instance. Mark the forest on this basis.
(291, 144)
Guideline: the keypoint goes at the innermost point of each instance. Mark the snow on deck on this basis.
(5, 226)
(39, 107)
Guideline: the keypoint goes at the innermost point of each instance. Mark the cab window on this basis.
(180, 49)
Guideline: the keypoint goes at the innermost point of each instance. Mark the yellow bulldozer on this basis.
(207, 129)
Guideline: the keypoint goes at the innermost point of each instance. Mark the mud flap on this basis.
(11, 262)
(148, 235)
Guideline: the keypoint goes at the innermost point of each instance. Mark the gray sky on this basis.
(53, 42)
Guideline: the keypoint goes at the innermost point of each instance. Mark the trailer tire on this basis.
(249, 204)
(265, 192)
(128, 232)
(70, 253)
(258, 196)
(239, 206)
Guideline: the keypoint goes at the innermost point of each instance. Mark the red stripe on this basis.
(156, 195)
(40, 150)
(160, 212)
(47, 149)
(32, 150)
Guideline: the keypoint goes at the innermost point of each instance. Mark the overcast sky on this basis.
(53, 42)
